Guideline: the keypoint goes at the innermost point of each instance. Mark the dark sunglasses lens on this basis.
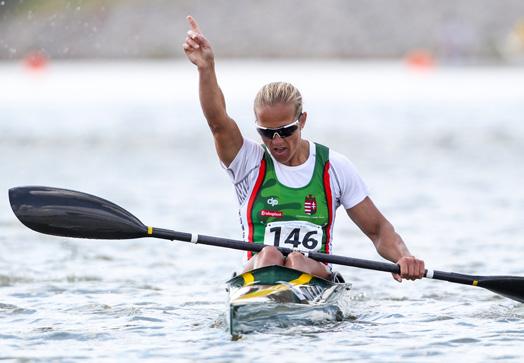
(283, 132)
(266, 133)
(287, 131)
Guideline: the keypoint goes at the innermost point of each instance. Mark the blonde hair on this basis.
(279, 92)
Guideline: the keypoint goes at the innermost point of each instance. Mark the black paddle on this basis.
(69, 213)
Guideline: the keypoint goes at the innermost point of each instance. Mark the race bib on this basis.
(304, 236)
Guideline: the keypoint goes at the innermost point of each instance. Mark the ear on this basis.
(303, 118)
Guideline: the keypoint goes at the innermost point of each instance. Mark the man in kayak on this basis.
(289, 188)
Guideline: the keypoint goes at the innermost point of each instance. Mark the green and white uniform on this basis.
(293, 206)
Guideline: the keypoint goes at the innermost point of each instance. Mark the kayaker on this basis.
(288, 187)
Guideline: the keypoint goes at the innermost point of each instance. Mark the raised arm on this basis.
(388, 243)
(228, 139)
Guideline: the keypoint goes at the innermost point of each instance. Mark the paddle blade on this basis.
(69, 213)
(509, 286)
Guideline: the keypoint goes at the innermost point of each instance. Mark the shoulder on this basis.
(247, 159)
(251, 149)
(349, 186)
(341, 163)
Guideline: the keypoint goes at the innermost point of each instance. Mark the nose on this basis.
(277, 139)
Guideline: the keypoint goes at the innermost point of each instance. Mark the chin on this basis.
(282, 158)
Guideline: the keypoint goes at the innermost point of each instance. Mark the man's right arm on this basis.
(228, 139)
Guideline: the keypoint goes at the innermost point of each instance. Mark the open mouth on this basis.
(279, 151)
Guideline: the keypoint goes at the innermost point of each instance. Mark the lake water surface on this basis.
(442, 152)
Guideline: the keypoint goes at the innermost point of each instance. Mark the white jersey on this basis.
(348, 188)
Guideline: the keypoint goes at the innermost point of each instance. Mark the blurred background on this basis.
(450, 31)
(425, 97)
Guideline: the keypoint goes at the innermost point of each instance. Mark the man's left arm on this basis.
(388, 243)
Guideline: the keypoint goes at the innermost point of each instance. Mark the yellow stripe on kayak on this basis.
(265, 292)
(301, 280)
(248, 278)
(149, 230)
(475, 282)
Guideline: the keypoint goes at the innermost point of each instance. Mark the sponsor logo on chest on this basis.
(272, 201)
(271, 213)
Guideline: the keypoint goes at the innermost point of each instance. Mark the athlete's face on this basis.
(291, 150)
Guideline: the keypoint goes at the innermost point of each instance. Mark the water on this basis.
(441, 151)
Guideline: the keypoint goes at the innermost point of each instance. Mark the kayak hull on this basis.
(277, 296)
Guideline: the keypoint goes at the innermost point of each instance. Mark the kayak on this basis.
(277, 296)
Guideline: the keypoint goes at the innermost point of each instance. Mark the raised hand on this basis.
(197, 47)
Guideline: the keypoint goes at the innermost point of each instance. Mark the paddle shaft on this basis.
(322, 257)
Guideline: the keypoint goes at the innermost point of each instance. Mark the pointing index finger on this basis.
(193, 24)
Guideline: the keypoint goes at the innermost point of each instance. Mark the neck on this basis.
(301, 156)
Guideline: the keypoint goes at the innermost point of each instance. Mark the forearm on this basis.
(212, 99)
(389, 244)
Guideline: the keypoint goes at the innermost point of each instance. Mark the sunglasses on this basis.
(283, 131)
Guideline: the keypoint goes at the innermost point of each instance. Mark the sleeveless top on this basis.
(296, 218)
